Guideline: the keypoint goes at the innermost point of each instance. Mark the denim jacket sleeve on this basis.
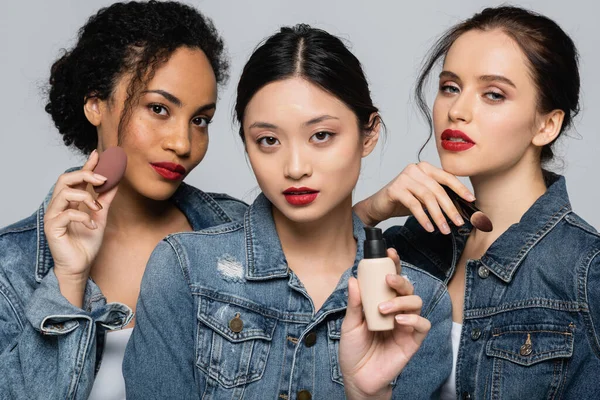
(427, 371)
(155, 365)
(592, 298)
(51, 352)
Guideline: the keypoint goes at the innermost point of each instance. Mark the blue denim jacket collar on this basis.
(505, 255)
(263, 249)
(197, 206)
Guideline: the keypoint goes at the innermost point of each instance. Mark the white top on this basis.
(109, 383)
(449, 388)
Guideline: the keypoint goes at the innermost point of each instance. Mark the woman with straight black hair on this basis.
(269, 307)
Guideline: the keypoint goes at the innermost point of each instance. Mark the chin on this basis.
(459, 167)
(159, 191)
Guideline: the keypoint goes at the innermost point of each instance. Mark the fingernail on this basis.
(97, 203)
(458, 219)
(93, 223)
(445, 228)
(100, 177)
(401, 318)
(383, 307)
(469, 196)
(92, 153)
(429, 227)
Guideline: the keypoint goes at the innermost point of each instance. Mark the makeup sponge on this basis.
(112, 164)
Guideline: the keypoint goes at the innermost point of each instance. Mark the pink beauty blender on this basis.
(112, 165)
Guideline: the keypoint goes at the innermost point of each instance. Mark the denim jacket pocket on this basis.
(529, 360)
(233, 341)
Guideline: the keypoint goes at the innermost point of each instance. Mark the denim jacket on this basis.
(221, 316)
(50, 349)
(531, 327)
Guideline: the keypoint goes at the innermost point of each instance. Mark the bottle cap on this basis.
(374, 243)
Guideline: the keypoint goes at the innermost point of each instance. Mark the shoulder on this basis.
(18, 243)
(235, 208)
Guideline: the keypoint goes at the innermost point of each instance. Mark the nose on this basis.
(461, 109)
(297, 165)
(178, 140)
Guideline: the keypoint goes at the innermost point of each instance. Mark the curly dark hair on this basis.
(133, 37)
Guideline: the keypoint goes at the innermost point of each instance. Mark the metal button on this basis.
(527, 348)
(310, 339)
(466, 396)
(236, 324)
(304, 395)
(475, 333)
(483, 272)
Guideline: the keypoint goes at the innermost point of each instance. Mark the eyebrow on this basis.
(173, 99)
(484, 78)
(266, 125)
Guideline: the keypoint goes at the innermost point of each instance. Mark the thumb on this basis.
(105, 199)
(354, 314)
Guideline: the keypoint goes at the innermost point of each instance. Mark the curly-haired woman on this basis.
(142, 76)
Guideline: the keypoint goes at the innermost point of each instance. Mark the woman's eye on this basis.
(201, 122)
(494, 96)
(267, 141)
(158, 109)
(321, 137)
(449, 89)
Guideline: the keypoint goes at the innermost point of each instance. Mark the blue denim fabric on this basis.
(531, 326)
(50, 349)
(221, 316)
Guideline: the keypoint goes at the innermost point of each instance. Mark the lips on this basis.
(168, 170)
(300, 196)
(455, 140)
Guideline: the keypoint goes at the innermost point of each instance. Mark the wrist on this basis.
(72, 287)
(362, 210)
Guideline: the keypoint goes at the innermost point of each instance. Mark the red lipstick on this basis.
(301, 196)
(454, 140)
(168, 170)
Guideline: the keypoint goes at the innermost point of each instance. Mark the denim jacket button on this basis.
(483, 272)
(310, 340)
(475, 333)
(236, 324)
(304, 395)
(466, 396)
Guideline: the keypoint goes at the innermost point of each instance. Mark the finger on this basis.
(416, 209)
(78, 179)
(393, 254)
(400, 284)
(428, 198)
(419, 324)
(105, 200)
(447, 179)
(354, 316)
(58, 225)
(92, 161)
(70, 198)
(402, 304)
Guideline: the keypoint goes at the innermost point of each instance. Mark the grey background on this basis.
(389, 37)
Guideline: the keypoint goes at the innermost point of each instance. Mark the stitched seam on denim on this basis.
(587, 316)
(18, 230)
(521, 305)
(216, 208)
(436, 298)
(182, 260)
(81, 355)
(225, 196)
(497, 332)
(5, 292)
(552, 222)
(588, 229)
(239, 301)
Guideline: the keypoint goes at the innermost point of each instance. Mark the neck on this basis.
(506, 196)
(131, 211)
(330, 237)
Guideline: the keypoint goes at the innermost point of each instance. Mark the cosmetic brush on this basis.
(469, 212)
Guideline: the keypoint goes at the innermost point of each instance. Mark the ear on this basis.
(371, 137)
(93, 109)
(549, 128)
